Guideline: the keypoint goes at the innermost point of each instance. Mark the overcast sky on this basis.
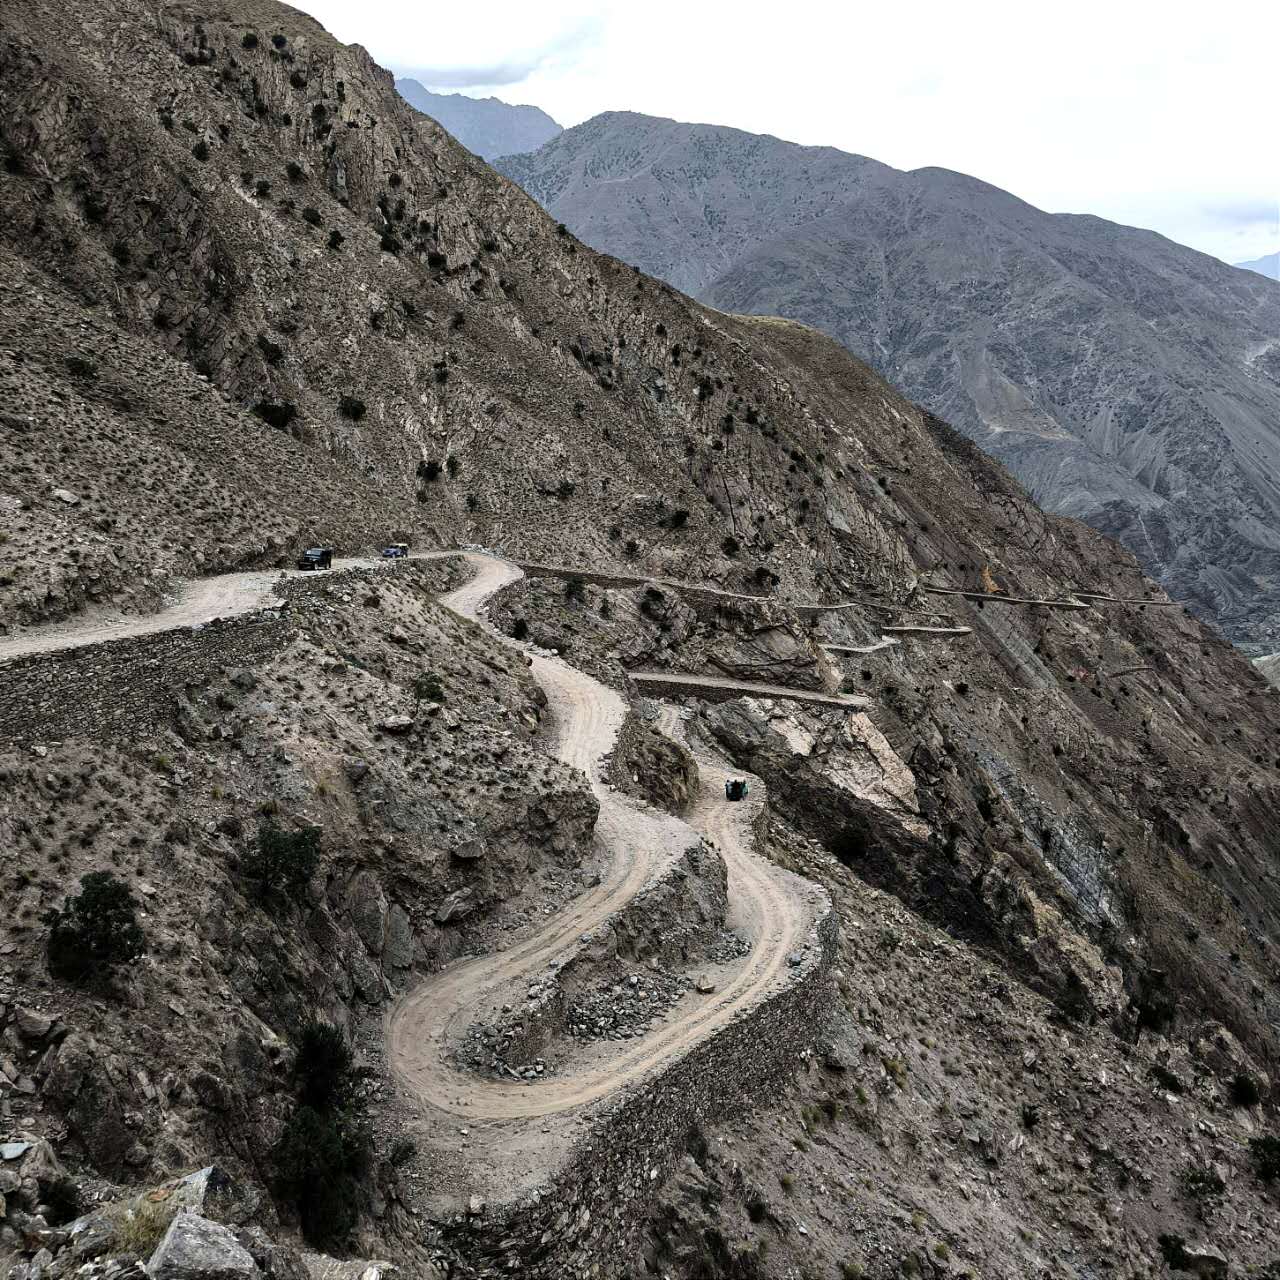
(1151, 114)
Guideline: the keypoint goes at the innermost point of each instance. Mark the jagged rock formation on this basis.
(1125, 380)
(1055, 822)
(487, 126)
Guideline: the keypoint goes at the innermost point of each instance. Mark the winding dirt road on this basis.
(774, 910)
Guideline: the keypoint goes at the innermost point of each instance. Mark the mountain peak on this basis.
(487, 126)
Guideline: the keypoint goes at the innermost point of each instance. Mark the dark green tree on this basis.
(96, 930)
(283, 862)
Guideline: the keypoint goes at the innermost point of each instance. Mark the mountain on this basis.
(401, 911)
(1125, 380)
(1268, 266)
(487, 126)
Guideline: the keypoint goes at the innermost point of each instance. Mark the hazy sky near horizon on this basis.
(1159, 116)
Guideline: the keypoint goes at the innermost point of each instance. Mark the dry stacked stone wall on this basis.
(119, 688)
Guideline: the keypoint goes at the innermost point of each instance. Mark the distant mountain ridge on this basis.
(487, 126)
(1268, 265)
(1126, 380)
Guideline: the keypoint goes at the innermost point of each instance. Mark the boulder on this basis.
(397, 949)
(78, 1082)
(1204, 1261)
(457, 905)
(32, 1025)
(194, 1248)
(396, 724)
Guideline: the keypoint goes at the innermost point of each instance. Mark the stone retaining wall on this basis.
(119, 688)
(116, 688)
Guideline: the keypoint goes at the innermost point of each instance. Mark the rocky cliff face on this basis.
(487, 126)
(1125, 380)
(252, 298)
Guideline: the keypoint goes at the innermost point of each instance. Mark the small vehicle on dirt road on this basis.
(396, 551)
(735, 788)
(316, 558)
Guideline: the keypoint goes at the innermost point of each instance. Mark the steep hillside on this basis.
(487, 126)
(1125, 380)
(254, 300)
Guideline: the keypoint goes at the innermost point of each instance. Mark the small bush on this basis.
(566, 489)
(1174, 1251)
(1244, 1091)
(272, 352)
(351, 407)
(404, 1150)
(1201, 1182)
(201, 150)
(436, 260)
(279, 41)
(263, 188)
(730, 545)
(389, 244)
(452, 465)
(575, 589)
(335, 239)
(95, 931)
(79, 367)
(320, 1160)
(249, 40)
(1265, 1154)
(427, 687)
(323, 1066)
(283, 862)
(429, 470)
(281, 416)
(312, 215)
(520, 629)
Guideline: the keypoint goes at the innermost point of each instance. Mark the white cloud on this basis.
(1153, 114)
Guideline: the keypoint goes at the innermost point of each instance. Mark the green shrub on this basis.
(284, 861)
(95, 931)
(1174, 1251)
(201, 150)
(1244, 1091)
(427, 688)
(730, 545)
(335, 239)
(312, 216)
(520, 629)
(1265, 1153)
(404, 1150)
(294, 171)
(320, 1160)
(249, 40)
(323, 1066)
(1201, 1182)
(272, 352)
(452, 465)
(351, 407)
(281, 416)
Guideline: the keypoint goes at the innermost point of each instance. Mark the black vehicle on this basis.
(735, 788)
(316, 558)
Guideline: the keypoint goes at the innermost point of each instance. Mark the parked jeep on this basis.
(396, 551)
(316, 558)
